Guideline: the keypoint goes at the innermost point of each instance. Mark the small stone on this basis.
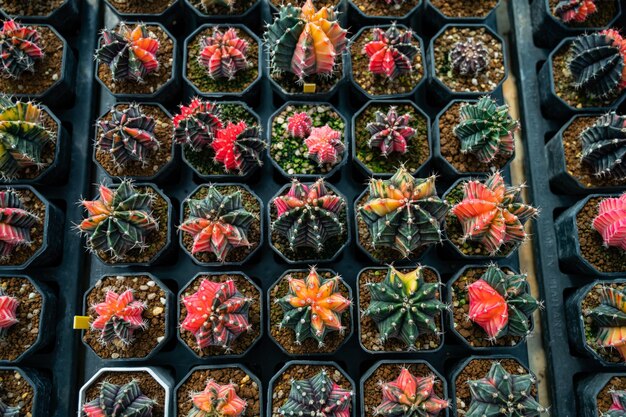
(115, 355)
(151, 283)
(157, 311)
(143, 287)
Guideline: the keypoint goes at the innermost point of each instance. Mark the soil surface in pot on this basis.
(22, 253)
(30, 7)
(588, 303)
(370, 337)
(199, 76)
(47, 153)
(153, 81)
(144, 340)
(245, 340)
(603, 399)
(247, 389)
(152, 7)
(381, 8)
(377, 84)
(47, 71)
(464, 8)
(417, 150)
(602, 17)
(215, 9)
(324, 83)
(285, 336)
(290, 152)
(155, 161)
(250, 203)
(17, 392)
(485, 81)
(22, 335)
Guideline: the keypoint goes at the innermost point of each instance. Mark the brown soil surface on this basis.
(324, 83)
(22, 335)
(604, 397)
(464, 8)
(602, 17)
(141, 7)
(16, 391)
(22, 253)
(588, 303)
(31, 7)
(215, 9)
(381, 8)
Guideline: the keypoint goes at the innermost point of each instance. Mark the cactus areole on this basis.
(15, 221)
(119, 316)
(391, 52)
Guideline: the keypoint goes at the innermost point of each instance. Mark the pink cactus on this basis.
(8, 307)
(408, 392)
(611, 221)
(324, 145)
(299, 125)
(223, 54)
(487, 308)
(218, 400)
(119, 316)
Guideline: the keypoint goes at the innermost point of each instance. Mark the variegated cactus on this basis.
(223, 54)
(317, 396)
(604, 146)
(119, 400)
(574, 10)
(119, 316)
(609, 320)
(469, 57)
(217, 400)
(196, 125)
(20, 48)
(618, 406)
(238, 147)
(15, 223)
(8, 308)
(299, 125)
(325, 145)
(390, 132)
(391, 52)
(611, 221)
(9, 410)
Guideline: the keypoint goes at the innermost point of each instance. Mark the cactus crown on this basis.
(118, 317)
(119, 220)
(609, 319)
(317, 396)
(217, 401)
(308, 215)
(16, 222)
(305, 41)
(8, 307)
(610, 221)
(391, 52)
(120, 400)
(128, 135)
(486, 130)
(197, 124)
(403, 212)
(492, 213)
(223, 54)
(8, 410)
(20, 47)
(299, 125)
(574, 10)
(604, 146)
(238, 147)
(469, 57)
(216, 314)
(410, 396)
(129, 53)
(313, 306)
(618, 408)
(325, 145)
(404, 306)
(390, 132)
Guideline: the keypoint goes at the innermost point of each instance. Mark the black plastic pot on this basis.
(167, 17)
(434, 19)
(250, 17)
(41, 388)
(587, 391)
(64, 18)
(358, 19)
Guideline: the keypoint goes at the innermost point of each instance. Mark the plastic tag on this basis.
(309, 88)
(81, 322)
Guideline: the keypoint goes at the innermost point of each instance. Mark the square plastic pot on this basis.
(588, 389)
(250, 18)
(167, 17)
(41, 388)
(357, 18)
(64, 17)
(435, 19)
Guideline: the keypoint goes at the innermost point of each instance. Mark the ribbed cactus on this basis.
(8, 308)
(611, 221)
(8, 410)
(217, 314)
(597, 64)
(119, 316)
(299, 125)
(308, 215)
(469, 57)
(119, 400)
(574, 10)
(404, 306)
(618, 408)
(128, 135)
(197, 124)
(217, 401)
(317, 396)
(486, 130)
(609, 320)
(305, 41)
(403, 212)
(15, 223)
(20, 47)
(238, 147)
(410, 396)
(492, 213)
(223, 54)
(325, 145)
(22, 136)
(390, 132)
(391, 52)
(119, 220)
(604, 146)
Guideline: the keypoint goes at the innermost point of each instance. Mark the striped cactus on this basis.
(223, 54)
(120, 400)
(15, 223)
(119, 316)
(20, 48)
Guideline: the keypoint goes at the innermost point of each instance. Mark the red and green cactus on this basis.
(391, 52)
(217, 314)
(8, 308)
(469, 57)
(305, 41)
(119, 220)
(325, 145)
(410, 396)
(618, 406)
(609, 320)
(8, 410)
(238, 147)
(486, 130)
(611, 221)
(403, 212)
(493, 214)
(217, 401)
(299, 125)
(20, 48)
(317, 396)
(197, 124)
(119, 400)
(390, 132)
(15, 223)
(574, 10)
(223, 54)
(604, 146)
(119, 316)
(404, 306)
(130, 53)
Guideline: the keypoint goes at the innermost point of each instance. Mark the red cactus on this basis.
(20, 46)
(299, 125)
(8, 306)
(619, 42)
(223, 54)
(611, 221)
(238, 147)
(487, 308)
(391, 52)
(218, 400)
(575, 10)
(408, 392)
(324, 145)
(119, 316)
(197, 123)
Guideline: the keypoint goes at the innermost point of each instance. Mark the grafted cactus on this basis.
(604, 146)
(325, 145)
(223, 54)
(120, 400)
(391, 52)
(317, 396)
(20, 47)
(305, 41)
(217, 401)
(610, 221)
(404, 306)
(238, 147)
(8, 307)
(618, 407)
(15, 223)
(8, 410)
(119, 316)
(390, 132)
(129, 53)
(486, 130)
(299, 125)
(469, 57)
(197, 124)
(609, 320)
(574, 10)
(403, 212)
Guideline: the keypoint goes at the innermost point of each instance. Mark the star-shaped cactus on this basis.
(120, 400)
(119, 316)
(609, 320)
(317, 396)
(618, 407)
(15, 223)
(217, 401)
(197, 123)
(611, 221)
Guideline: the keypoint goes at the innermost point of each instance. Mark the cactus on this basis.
(223, 54)
(118, 317)
(390, 132)
(218, 223)
(469, 57)
(217, 401)
(610, 221)
(486, 130)
(128, 135)
(120, 400)
(609, 320)
(119, 220)
(618, 408)
(216, 314)
(20, 47)
(403, 212)
(604, 146)
(8, 410)
(324, 145)
(317, 396)
(197, 124)
(574, 10)
(391, 52)
(8, 307)
(238, 147)
(492, 214)
(299, 125)
(15, 223)
(305, 41)
(308, 215)
(404, 306)
(410, 396)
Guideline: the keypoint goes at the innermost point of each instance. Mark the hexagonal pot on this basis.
(40, 386)
(169, 304)
(63, 17)
(589, 388)
(292, 261)
(163, 172)
(306, 177)
(250, 18)
(307, 351)
(249, 256)
(167, 17)
(435, 18)
(260, 318)
(358, 18)
(364, 169)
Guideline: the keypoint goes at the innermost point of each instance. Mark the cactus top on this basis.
(611, 221)
(618, 407)
(574, 10)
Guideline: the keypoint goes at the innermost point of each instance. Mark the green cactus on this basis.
(119, 401)
(317, 396)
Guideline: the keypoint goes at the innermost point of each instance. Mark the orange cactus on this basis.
(218, 401)
(118, 316)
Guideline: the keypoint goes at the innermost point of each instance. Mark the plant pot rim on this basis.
(582, 30)
(261, 224)
(194, 10)
(458, 367)
(168, 9)
(469, 19)
(385, 19)
(31, 376)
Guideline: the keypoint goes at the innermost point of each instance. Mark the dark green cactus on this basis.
(15, 223)
(317, 396)
(9, 411)
(604, 146)
(119, 401)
